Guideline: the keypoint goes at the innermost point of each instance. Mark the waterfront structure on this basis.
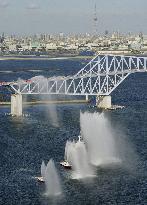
(102, 75)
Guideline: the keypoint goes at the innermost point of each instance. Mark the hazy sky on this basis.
(72, 16)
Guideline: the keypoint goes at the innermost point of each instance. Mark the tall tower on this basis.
(95, 19)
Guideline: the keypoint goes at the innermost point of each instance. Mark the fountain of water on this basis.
(99, 138)
(43, 168)
(52, 181)
(76, 155)
(51, 109)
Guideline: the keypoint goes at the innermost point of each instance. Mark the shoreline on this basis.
(43, 57)
(46, 57)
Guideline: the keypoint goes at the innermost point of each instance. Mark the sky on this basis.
(25, 17)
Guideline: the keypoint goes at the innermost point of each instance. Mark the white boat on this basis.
(65, 164)
(40, 179)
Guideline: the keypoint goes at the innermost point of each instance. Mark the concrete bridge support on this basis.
(16, 105)
(87, 98)
(103, 101)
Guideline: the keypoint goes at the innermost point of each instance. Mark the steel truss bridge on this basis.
(99, 77)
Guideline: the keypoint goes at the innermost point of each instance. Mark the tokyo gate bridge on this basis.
(102, 75)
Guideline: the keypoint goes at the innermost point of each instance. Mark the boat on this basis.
(40, 179)
(65, 164)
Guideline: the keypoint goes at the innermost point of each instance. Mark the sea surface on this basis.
(42, 132)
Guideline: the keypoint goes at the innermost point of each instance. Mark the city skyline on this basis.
(35, 16)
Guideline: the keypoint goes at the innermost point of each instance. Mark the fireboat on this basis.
(40, 179)
(65, 164)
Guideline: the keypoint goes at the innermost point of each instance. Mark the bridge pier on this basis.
(103, 102)
(87, 98)
(16, 105)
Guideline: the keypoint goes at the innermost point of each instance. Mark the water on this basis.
(99, 137)
(50, 110)
(52, 181)
(26, 141)
(43, 169)
(76, 154)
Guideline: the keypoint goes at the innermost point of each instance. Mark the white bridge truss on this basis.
(99, 77)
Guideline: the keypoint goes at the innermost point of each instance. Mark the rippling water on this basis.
(26, 141)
